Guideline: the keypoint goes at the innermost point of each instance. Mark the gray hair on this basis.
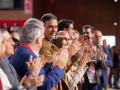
(31, 29)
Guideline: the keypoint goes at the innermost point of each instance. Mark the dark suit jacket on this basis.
(107, 64)
(52, 75)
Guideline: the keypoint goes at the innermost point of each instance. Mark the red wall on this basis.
(100, 13)
(10, 22)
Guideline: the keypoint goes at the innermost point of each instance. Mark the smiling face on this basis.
(51, 29)
(9, 44)
(2, 48)
(87, 34)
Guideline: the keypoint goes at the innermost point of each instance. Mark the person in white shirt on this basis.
(5, 82)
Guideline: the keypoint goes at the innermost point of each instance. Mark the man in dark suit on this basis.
(105, 56)
(92, 76)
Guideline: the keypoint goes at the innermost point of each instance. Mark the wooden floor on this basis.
(113, 89)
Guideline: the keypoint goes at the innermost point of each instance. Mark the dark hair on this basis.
(64, 23)
(48, 16)
(88, 26)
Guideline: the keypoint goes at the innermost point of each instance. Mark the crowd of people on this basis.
(48, 54)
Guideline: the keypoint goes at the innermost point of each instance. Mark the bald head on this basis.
(98, 32)
(97, 37)
(64, 34)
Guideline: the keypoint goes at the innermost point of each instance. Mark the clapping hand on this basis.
(80, 52)
(34, 65)
(60, 58)
(85, 58)
(104, 57)
(74, 47)
(32, 81)
(86, 47)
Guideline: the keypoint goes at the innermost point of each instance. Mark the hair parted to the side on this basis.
(48, 16)
(30, 30)
(88, 26)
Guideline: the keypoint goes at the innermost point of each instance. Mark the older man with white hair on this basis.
(5, 84)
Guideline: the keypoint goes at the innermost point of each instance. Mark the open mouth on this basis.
(86, 38)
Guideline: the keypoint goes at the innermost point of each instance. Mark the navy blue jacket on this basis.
(108, 64)
(52, 75)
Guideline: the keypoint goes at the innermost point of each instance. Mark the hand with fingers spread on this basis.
(104, 57)
(85, 47)
(81, 39)
(80, 52)
(82, 80)
(32, 81)
(74, 47)
(61, 58)
(99, 53)
(55, 57)
(35, 65)
(88, 46)
(85, 59)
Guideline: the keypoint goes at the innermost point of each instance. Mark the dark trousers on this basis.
(115, 73)
(91, 86)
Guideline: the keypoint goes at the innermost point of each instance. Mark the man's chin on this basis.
(52, 37)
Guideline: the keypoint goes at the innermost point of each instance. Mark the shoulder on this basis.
(21, 51)
(1, 73)
(46, 43)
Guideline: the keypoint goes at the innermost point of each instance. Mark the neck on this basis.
(49, 39)
(90, 40)
(32, 46)
(98, 44)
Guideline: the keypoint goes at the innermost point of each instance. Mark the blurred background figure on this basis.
(16, 38)
(14, 27)
(105, 43)
(5, 26)
(114, 71)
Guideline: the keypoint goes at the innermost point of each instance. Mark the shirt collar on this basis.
(30, 49)
(6, 61)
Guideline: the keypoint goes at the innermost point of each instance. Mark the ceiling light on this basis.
(115, 0)
(115, 24)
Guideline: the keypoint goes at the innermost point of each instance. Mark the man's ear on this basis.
(93, 34)
(37, 40)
